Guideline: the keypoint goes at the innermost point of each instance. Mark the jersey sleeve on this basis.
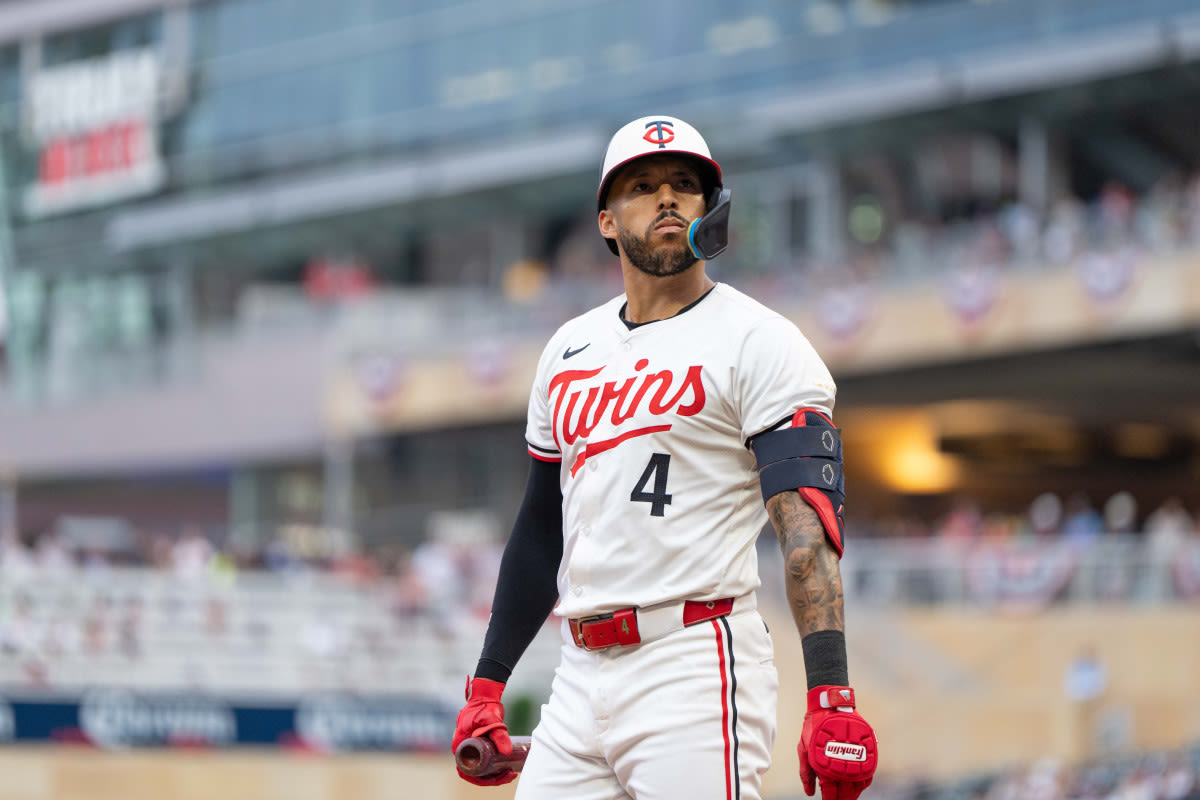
(778, 373)
(539, 423)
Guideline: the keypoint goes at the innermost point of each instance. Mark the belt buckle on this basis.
(623, 632)
(579, 623)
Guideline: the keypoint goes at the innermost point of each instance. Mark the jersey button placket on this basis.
(580, 573)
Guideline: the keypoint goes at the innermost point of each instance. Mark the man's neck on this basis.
(650, 298)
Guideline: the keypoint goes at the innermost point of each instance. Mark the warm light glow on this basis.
(899, 449)
(1141, 440)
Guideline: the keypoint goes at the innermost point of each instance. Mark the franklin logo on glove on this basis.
(846, 752)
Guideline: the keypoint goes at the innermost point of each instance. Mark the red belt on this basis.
(620, 628)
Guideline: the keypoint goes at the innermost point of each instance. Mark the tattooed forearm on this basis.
(812, 575)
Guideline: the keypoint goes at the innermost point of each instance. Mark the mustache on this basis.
(669, 215)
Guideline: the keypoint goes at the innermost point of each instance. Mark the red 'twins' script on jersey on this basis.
(581, 405)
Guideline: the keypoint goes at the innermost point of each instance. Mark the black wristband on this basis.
(825, 659)
(493, 670)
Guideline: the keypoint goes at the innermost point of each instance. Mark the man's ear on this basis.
(608, 224)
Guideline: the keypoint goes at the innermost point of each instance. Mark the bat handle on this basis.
(478, 757)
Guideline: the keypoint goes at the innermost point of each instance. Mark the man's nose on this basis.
(666, 197)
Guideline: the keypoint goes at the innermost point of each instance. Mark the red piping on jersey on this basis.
(724, 708)
(542, 457)
(595, 448)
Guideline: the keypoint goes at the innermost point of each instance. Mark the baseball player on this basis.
(658, 424)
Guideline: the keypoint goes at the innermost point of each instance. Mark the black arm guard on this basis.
(806, 457)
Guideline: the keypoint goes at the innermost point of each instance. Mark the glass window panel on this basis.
(235, 26)
(10, 84)
(135, 32)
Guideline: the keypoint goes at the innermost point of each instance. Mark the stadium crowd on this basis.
(1103, 236)
(1158, 775)
(454, 567)
(447, 580)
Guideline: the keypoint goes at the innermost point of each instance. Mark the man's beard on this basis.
(661, 263)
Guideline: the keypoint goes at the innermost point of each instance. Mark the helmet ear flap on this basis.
(709, 236)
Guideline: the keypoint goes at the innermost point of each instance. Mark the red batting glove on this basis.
(483, 715)
(837, 745)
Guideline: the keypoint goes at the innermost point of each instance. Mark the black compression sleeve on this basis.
(527, 587)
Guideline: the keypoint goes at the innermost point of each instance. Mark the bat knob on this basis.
(469, 755)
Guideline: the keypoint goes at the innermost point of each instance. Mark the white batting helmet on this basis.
(650, 136)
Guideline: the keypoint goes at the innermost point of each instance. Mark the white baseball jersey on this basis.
(661, 498)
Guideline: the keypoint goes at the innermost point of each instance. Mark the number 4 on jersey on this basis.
(659, 464)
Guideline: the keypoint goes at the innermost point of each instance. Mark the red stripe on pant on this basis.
(729, 777)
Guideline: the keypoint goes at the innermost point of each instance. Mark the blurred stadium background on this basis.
(276, 274)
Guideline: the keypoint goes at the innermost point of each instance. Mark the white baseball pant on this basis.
(690, 715)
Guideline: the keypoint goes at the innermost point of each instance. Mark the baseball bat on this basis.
(477, 756)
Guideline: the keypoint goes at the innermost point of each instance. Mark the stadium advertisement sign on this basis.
(94, 126)
(111, 719)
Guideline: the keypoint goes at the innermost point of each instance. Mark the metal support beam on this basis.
(338, 517)
(36, 18)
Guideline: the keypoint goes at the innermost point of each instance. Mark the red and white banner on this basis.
(94, 124)
(1020, 575)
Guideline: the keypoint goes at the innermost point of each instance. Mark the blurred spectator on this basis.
(18, 630)
(216, 618)
(1084, 683)
(1178, 780)
(1086, 678)
(998, 526)
(1159, 218)
(1045, 514)
(1020, 225)
(190, 555)
(1082, 523)
(1170, 523)
(408, 598)
(435, 567)
(1115, 209)
(95, 634)
(1166, 529)
(1120, 513)
(15, 559)
(356, 567)
(129, 629)
(1064, 234)
(963, 523)
(52, 555)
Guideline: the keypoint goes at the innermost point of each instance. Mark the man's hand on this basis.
(483, 715)
(837, 745)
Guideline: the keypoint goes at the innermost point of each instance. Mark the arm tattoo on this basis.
(812, 575)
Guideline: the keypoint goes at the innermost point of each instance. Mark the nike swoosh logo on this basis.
(569, 352)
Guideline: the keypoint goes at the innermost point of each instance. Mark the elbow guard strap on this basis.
(806, 457)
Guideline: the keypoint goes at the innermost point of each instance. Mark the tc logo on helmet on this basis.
(660, 132)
